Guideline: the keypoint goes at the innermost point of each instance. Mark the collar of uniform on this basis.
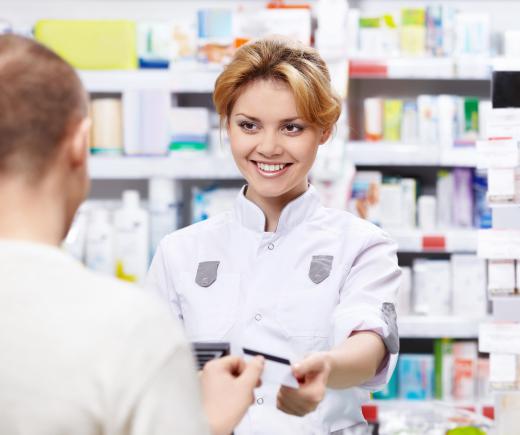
(252, 217)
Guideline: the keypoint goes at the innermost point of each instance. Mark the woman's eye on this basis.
(248, 126)
(293, 128)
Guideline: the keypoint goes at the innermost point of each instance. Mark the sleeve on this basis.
(171, 403)
(367, 299)
(159, 282)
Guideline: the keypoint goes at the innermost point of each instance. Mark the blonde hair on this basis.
(288, 61)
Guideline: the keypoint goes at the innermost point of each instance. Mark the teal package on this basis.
(390, 391)
(416, 377)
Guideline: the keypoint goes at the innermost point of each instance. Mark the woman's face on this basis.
(273, 147)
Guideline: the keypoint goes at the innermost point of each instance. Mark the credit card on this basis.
(277, 369)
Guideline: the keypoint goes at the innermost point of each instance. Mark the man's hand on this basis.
(227, 390)
(312, 374)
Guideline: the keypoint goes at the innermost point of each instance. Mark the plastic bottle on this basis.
(163, 209)
(131, 224)
(99, 249)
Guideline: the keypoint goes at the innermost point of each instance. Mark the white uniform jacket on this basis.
(306, 287)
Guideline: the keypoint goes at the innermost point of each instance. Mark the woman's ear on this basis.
(325, 136)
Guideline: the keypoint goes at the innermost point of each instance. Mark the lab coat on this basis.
(306, 287)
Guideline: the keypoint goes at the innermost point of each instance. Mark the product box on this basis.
(373, 119)
(444, 199)
(365, 197)
(501, 277)
(463, 198)
(107, 126)
(428, 119)
(468, 275)
(432, 287)
(413, 31)
(409, 201)
(410, 123)
(390, 391)
(391, 200)
(91, 44)
(443, 361)
(393, 112)
(504, 371)
(415, 377)
(404, 301)
(482, 215)
(464, 370)
(190, 128)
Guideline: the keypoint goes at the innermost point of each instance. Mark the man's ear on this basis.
(325, 136)
(79, 142)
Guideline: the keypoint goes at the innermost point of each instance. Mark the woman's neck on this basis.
(273, 206)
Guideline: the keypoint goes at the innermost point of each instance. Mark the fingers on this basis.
(252, 372)
(313, 364)
(293, 402)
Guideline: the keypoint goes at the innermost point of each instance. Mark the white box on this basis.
(501, 185)
(501, 277)
(468, 274)
(432, 287)
(391, 205)
(503, 370)
(404, 297)
(497, 153)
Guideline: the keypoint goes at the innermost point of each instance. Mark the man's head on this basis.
(43, 120)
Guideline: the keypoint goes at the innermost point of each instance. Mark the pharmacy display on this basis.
(426, 148)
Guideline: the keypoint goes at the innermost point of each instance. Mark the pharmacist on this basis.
(281, 273)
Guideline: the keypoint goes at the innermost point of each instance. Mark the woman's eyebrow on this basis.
(252, 118)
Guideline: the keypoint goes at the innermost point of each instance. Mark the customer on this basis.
(80, 353)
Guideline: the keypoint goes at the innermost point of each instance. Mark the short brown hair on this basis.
(41, 98)
(296, 64)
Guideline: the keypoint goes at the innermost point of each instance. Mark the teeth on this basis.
(270, 168)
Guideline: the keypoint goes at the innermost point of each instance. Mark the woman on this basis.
(281, 273)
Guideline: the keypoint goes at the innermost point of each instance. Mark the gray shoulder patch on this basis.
(390, 317)
(320, 268)
(207, 273)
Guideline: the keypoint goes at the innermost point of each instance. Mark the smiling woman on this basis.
(281, 274)
(276, 101)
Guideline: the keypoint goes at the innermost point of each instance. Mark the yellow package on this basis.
(91, 44)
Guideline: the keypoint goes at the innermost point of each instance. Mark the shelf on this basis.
(398, 154)
(438, 327)
(448, 241)
(193, 79)
(185, 166)
(421, 68)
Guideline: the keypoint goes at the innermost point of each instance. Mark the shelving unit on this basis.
(449, 241)
(421, 68)
(438, 327)
(398, 154)
(177, 167)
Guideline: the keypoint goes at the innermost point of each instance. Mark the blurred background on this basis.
(415, 80)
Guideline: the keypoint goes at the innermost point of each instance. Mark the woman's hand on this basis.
(312, 374)
(227, 390)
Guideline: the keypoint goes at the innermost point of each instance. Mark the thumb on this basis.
(309, 365)
(252, 372)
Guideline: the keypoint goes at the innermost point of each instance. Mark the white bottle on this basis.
(163, 209)
(99, 249)
(131, 239)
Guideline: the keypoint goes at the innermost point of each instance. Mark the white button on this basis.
(258, 317)
(260, 400)
(270, 246)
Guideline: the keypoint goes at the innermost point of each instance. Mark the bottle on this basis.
(131, 224)
(99, 249)
(163, 209)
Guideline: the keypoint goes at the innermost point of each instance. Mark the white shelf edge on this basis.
(398, 154)
(175, 167)
(439, 326)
